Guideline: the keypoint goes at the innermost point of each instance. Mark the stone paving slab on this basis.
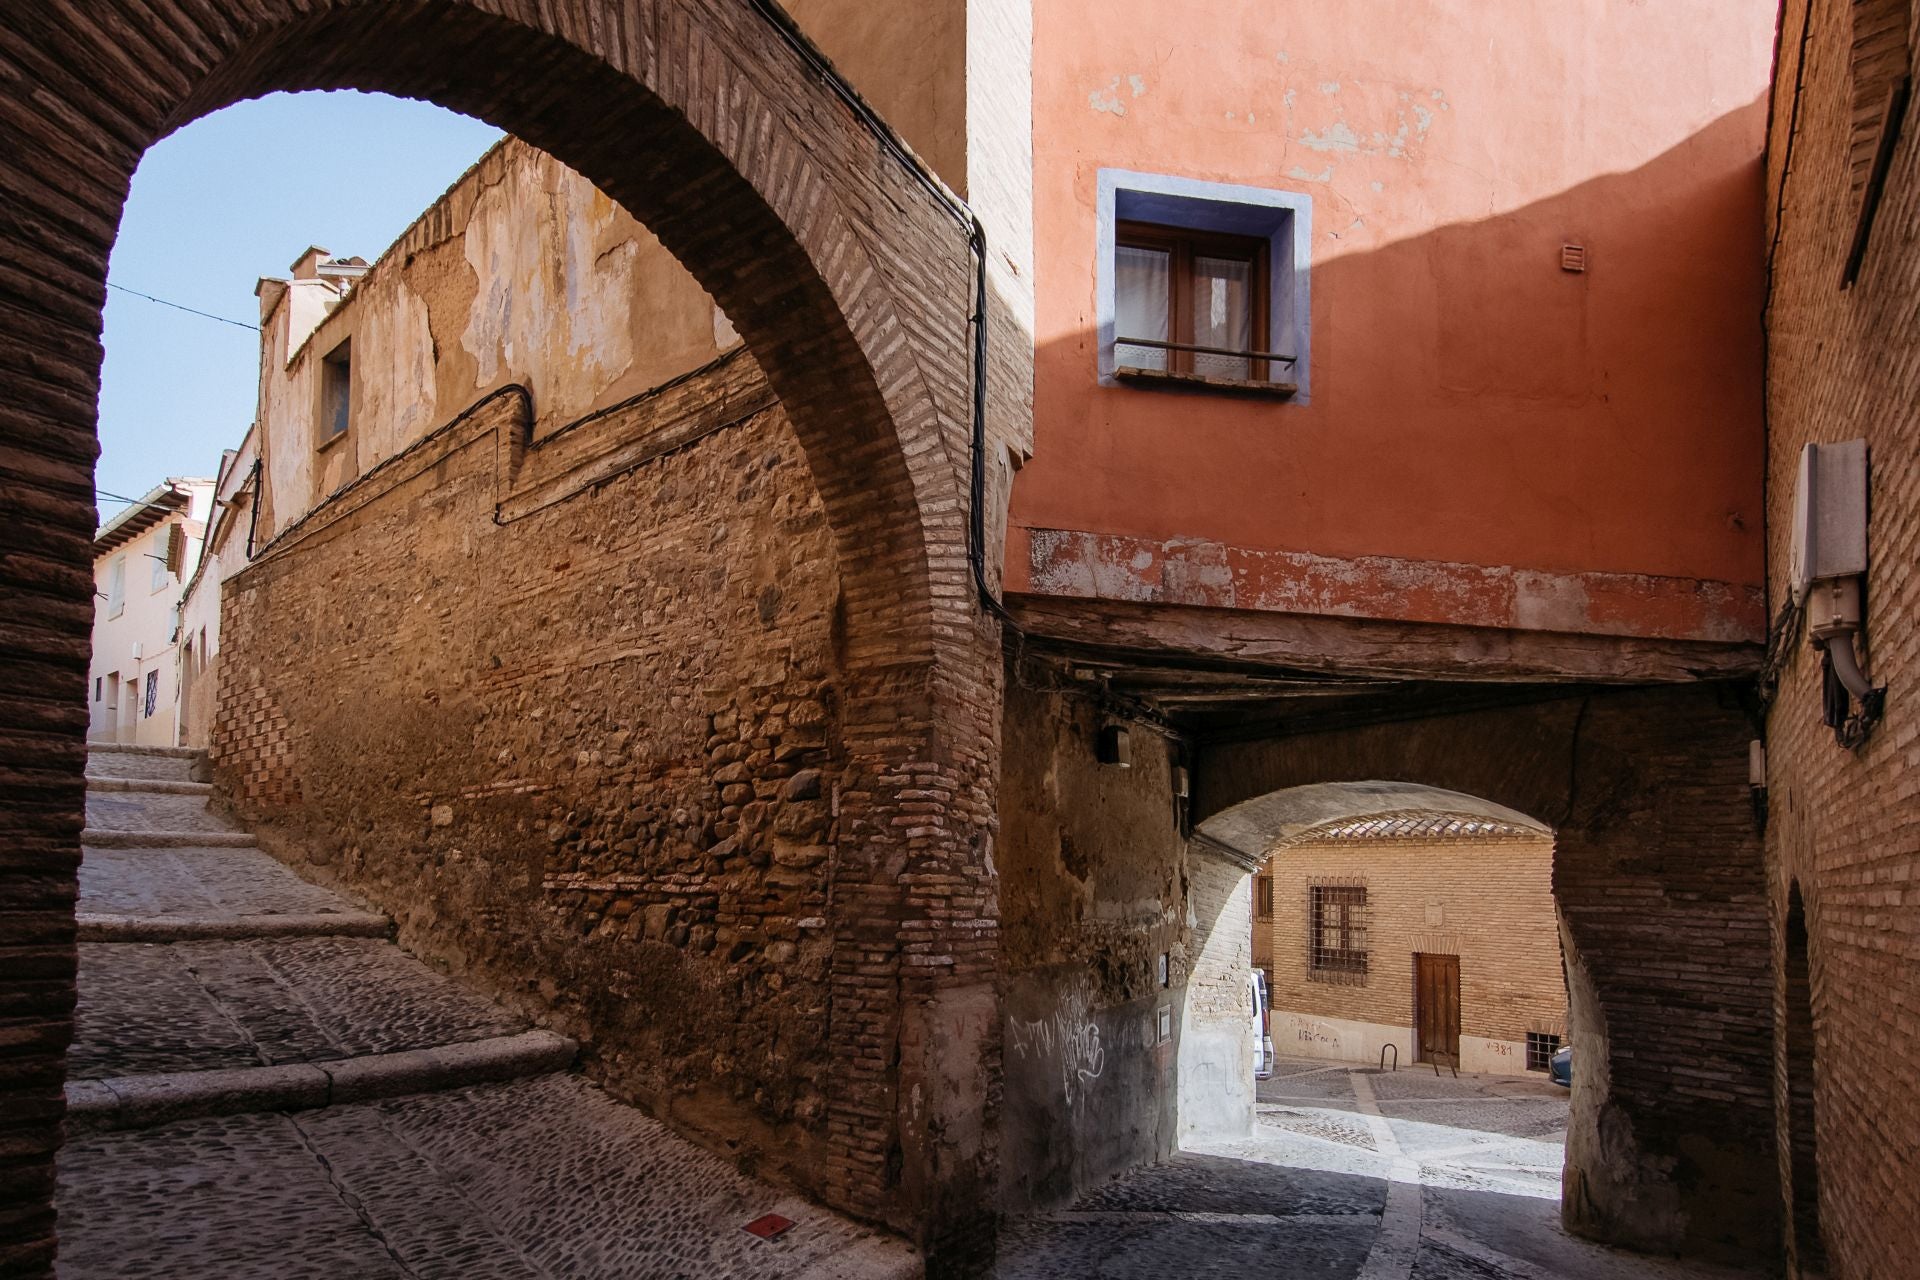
(1181, 1249)
(198, 882)
(1457, 1180)
(152, 811)
(539, 1178)
(197, 1006)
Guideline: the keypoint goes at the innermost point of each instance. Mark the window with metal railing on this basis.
(1203, 285)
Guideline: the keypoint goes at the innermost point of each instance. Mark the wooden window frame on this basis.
(336, 394)
(1183, 245)
(1892, 111)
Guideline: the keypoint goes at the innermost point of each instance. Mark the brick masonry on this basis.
(1845, 824)
(850, 284)
(1658, 878)
(1486, 900)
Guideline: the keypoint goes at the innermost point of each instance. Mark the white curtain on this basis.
(1223, 314)
(1140, 283)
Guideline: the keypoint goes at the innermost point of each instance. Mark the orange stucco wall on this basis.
(1473, 406)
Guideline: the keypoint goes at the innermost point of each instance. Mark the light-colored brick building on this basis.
(1432, 933)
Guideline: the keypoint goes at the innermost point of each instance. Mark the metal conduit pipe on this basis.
(958, 209)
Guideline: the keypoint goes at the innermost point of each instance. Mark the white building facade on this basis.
(142, 558)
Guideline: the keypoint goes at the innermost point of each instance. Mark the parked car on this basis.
(1262, 1036)
(1560, 1066)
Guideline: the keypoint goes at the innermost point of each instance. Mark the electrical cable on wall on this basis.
(976, 244)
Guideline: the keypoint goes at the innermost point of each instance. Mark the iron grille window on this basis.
(1541, 1046)
(1337, 932)
(1263, 897)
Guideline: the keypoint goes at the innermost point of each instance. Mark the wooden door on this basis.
(1436, 1007)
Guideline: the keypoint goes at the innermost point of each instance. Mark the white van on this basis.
(1262, 1036)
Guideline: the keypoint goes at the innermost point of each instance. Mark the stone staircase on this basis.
(262, 1083)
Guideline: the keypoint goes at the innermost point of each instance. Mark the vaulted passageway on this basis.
(1658, 880)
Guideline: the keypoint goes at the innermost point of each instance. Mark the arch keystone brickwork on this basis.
(852, 285)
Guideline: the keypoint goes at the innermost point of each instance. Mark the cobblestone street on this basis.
(1352, 1174)
(262, 1085)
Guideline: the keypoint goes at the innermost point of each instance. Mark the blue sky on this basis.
(232, 197)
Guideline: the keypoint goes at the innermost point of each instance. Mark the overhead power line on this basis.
(132, 502)
(205, 315)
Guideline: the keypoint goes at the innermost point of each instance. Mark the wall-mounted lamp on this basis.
(1828, 568)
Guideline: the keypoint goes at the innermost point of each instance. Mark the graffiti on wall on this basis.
(1071, 1040)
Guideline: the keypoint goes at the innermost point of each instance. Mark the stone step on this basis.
(196, 882)
(105, 838)
(94, 927)
(137, 1101)
(155, 786)
(148, 1009)
(152, 811)
(170, 763)
(151, 753)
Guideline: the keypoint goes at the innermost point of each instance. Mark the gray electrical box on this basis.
(1829, 515)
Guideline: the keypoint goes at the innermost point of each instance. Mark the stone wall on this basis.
(1844, 825)
(1659, 879)
(1093, 887)
(588, 756)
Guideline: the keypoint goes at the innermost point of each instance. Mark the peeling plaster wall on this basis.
(522, 273)
(1475, 408)
(1093, 884)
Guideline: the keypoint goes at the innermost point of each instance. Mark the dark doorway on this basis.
(1808, 1254)
(1436, 1007)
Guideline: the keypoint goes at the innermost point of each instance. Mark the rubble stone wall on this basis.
(590, 756)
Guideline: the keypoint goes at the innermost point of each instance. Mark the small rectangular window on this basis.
(117, 587)
(1263, 897)
(153, 693)
(1541, 1046)
(97, 691)
(1192, 302)
(336, 393)
(1337, 932)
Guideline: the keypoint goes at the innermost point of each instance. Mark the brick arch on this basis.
(1661, 888)
(845, 277)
